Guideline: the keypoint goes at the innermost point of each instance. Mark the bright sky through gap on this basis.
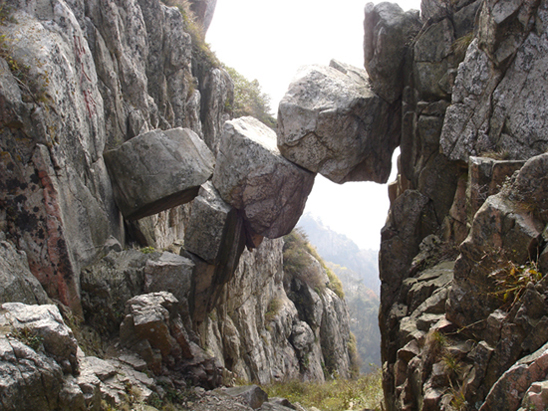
(269, 41)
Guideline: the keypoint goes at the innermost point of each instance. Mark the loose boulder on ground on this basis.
(252, 176)
(158, 170)
(44, 326)
(331, 122)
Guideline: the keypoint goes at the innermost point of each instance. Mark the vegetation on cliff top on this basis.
(249, 99)
(297, 253)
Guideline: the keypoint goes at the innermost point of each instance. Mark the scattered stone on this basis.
(158, 170)
(253, 395)
(331, 122)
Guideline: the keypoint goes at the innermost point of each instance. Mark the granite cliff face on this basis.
(461, 261)
(115, 137)
(459, 87)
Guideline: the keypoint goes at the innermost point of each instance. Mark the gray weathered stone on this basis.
(45, 321)
(253, 395)
(252, 176)
(158, 170)
(214, 232)
(16, 281)
(331, 122)
(171, 273)
(108, 284)
(388, 31)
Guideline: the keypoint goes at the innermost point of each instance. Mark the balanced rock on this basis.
(387, 31)
(331, 122)
(158, 170)
(215, 239)
(252, 176)
(214, 229)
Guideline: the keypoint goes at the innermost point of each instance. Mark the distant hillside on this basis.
(363, 307)
(358, 271)
(339, 249)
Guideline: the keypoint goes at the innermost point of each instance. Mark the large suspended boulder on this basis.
(252, 176)
(158, 170)
(331, 122)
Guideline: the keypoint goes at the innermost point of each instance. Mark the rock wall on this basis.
(269, 328)
(98, 101)
(84, 77)
(461, 259)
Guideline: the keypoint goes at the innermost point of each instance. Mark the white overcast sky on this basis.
(269, 41)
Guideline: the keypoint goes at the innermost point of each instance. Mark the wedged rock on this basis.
(331, 122)
(44, 322)
(214, 232)
(158, 170)
(252, 176)
(388, 31)
(17, 283)
(215, 238)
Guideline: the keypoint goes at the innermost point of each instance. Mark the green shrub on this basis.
(336, 395)
(28, 337)
(273, 309)
(512, 280)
